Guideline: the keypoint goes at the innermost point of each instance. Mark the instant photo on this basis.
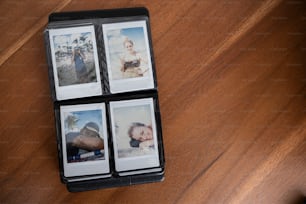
(75, 62)
(84, 140)
(134, 134)
(128, 56)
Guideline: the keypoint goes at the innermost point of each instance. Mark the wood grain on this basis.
(8, 52)
(231, 79)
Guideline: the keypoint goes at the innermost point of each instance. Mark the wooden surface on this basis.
(231, 78)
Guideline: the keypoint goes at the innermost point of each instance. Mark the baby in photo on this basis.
(135, 134)
(141, 135)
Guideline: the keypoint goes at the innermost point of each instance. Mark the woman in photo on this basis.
(141, 135)
(78, 59)
(132, 63)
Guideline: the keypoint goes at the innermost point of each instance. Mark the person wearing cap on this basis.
(87, 140)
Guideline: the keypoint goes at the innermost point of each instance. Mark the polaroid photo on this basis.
(75, 62)
(134, 134)
(128, 56)
(84, 139)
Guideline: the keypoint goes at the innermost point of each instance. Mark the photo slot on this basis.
(75, 62)
(128, 56)
(84, 139)
(134, 134)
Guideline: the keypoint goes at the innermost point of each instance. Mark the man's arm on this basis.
(88, 143)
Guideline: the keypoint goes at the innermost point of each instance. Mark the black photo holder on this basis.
(104, 89)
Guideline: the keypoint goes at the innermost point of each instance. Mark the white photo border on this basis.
(88, 167)
(130, 84)
(75, 90)
(137, 162)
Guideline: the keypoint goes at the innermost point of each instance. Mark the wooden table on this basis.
(231, 78)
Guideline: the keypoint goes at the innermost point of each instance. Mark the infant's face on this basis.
(142, 133)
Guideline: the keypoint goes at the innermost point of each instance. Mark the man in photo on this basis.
(141, 135)
(87, 140)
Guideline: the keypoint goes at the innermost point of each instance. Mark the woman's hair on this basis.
(134, 142)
